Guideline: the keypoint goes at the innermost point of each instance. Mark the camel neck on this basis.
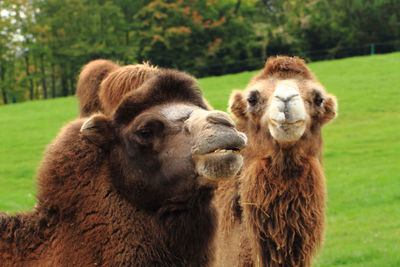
(291, 182)
(283, 156)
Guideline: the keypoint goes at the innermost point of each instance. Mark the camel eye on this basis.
(253, 98)
(150, 130)
(144, 133)
(318, 99)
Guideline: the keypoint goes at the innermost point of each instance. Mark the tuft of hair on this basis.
(167, 86)
(237, 106)
(88, 86)
(121, 81)
(286, 67)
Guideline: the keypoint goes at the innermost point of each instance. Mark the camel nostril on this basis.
(286, 99)
(220, 118)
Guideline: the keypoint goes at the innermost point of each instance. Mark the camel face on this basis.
(164, 142)
(176, 141)
(283, 102)
(170, 148)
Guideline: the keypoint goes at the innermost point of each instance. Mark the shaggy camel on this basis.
(102, 84)
(131, 189)
(274, 214)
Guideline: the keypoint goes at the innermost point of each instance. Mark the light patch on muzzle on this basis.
(287, 113)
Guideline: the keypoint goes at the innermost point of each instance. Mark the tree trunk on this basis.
(64, 82)
(43, 74)
(71, 80)
(29, 78)
(53, 80)
(237, 6)
(3, 89)
(37, 82)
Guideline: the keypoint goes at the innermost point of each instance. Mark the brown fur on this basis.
(274, 214)
(97, 207)
(88, 85)
(121, 81)
(102, 84)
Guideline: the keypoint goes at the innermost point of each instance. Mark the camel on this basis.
(103, 83)
(133, 188)
(274, 213)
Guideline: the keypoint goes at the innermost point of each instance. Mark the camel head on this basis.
(284, 102)
(162, 140)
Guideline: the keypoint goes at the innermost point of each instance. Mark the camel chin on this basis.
(218, 165)
(287, 132)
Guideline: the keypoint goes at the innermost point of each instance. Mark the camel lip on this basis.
(287, 123)
(217, 166)
(229, 142)
(222, 151)
(233, 149)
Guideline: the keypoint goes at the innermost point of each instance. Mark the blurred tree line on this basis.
(44, 43)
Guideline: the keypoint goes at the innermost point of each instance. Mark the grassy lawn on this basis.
(362, 154)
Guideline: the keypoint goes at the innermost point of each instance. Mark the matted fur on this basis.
(274, 215)
(81, 217)
(176, 87)
(285, 67)
(102, 85)
(121, 81)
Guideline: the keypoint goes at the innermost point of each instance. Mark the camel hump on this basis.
(122, 81)
(89, 85)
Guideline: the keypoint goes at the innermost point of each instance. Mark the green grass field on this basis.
(362, 154)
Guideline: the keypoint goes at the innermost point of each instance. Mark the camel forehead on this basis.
(177, 111)
(264, 87)
(267, 87)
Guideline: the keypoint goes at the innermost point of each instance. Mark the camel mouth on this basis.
(224, 151)
(287, 123)
(230, 142)
(219, 165)
(286, 131)
(218, 156)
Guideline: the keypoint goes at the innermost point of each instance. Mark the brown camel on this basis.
(131, 189)
(274, 214)
(102, 85)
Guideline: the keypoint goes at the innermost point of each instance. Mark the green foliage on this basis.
(361, 159)
(44, 43)
(306, 27)
(201, 37)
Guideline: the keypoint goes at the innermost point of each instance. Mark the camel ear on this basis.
(330, 109)
(238, 106)
(98, 129)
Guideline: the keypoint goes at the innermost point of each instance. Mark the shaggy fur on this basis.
(102, 84)
(97, 207)
(121, 81)
(88, 85)
(274, 214)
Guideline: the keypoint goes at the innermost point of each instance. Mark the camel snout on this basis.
(287, 107)
(219, 117)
